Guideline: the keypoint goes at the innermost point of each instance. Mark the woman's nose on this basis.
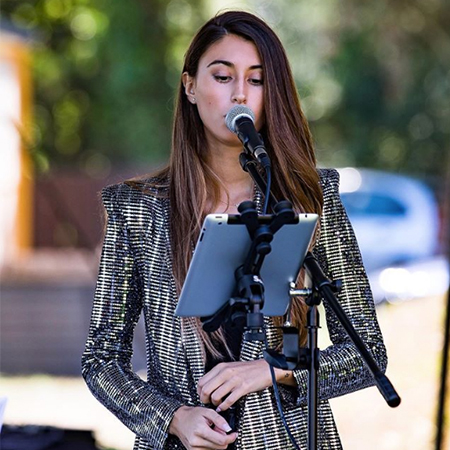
(239, 98)
(239, 95)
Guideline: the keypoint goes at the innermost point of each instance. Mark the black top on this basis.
(233, 337)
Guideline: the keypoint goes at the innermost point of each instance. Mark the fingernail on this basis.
(218, 409)
(226, 428)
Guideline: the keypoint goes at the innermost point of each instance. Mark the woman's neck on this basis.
(236, 184)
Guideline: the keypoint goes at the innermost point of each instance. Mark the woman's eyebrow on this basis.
(230, 64)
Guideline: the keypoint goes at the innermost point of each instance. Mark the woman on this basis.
(193, 378)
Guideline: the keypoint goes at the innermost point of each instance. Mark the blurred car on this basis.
(415, 279)
(396, 222)
(395, 217)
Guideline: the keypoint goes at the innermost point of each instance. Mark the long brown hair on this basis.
(286, 135)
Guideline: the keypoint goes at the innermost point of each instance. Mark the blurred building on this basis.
(50, 229)
(15, 164)
(42, 322)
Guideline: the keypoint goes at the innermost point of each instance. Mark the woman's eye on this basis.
(222, 78)
(256, 81)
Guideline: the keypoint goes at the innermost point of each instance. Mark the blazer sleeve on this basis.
(341, 369)
(106, 363)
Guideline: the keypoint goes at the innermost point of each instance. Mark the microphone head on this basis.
(235, 113)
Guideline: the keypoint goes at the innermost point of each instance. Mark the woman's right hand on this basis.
(201, 428)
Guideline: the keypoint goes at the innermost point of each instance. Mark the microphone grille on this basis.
(235, 113)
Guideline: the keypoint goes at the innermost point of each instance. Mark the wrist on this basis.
(177, 419)
(285, 377)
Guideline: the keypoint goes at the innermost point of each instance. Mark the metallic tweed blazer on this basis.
(136, 277)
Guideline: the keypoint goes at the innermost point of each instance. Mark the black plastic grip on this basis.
(387, 390)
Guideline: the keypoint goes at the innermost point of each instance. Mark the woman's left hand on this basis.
(226, 383)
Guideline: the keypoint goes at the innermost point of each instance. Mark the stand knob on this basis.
(246, 205)
(282, 205)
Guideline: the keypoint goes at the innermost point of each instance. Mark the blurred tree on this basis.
(104, 77)
(374, 78)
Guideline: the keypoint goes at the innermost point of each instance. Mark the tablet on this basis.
(222, 247)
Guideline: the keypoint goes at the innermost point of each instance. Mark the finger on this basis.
(214, 439)
(216, 421)
(212, 434)
(230, 400)
(218, 396)
(212, 379)
(199, 443)
(214, 372)
(206, 392)
(211, 374)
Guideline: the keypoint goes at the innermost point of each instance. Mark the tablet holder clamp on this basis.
(248, 299)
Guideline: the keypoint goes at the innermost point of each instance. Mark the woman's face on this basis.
(229, 74)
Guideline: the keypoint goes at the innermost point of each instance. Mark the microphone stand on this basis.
(308, 357)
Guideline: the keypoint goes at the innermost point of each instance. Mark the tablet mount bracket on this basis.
(248, 299)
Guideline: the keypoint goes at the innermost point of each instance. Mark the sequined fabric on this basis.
(135, 277)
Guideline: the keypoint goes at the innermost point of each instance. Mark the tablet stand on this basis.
(248, 298)
(250, 301)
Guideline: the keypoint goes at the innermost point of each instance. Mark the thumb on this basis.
(218, 421)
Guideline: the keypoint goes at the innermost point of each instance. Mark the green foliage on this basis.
(374, 78)
(103, 74)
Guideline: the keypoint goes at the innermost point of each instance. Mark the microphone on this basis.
(241, 121)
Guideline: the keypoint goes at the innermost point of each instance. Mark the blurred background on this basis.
(86, 100)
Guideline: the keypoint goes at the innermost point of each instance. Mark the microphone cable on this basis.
(278, 401)
(268, 187)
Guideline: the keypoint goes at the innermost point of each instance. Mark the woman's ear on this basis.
(189, 87)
